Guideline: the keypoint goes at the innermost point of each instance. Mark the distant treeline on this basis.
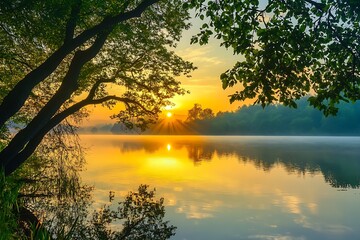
(115, 128)
(280, 120)
(253, 120)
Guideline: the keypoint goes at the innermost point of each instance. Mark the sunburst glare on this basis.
(168, 107)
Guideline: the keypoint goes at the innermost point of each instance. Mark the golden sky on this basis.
(204, 85)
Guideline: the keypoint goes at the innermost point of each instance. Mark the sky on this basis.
(205, 86)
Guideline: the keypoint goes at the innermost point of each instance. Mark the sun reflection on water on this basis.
(159, 163)
(225, 180)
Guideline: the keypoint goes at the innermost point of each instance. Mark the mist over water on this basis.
(237, 187)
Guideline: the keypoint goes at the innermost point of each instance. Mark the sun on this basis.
(169, 114)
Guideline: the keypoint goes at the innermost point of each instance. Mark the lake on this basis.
(236, 187)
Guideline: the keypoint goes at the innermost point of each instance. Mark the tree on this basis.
(281, 120)
(207, 113)
(59, 56)
(289, 49)
(66, 216)
(197, 113)
(141, 215)
(194, 112)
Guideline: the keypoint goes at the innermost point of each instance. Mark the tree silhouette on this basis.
(58, 57)
(289, 49)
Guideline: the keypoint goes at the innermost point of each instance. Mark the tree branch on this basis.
(36, 140)
(71, 24)
(68, 86)
(96, 85)
(121, 99)
(353, 51)
(16, 98)
(318, 5)
(23, 63)
(132, 80)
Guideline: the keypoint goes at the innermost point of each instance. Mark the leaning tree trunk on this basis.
(68, 86)
(16, 98)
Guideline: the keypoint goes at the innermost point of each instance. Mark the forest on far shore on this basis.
(281, 120)
(255, 120)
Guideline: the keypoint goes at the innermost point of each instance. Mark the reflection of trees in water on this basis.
(149, 145)
(52, 189)
(55, 202)
(140, 214)
(337, 161)
(344, 173)
(339, 164)
(199, 153)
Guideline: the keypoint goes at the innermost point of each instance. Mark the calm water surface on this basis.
(237, 187)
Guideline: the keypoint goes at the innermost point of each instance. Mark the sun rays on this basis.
(170, 126)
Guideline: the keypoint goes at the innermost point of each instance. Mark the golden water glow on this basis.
(220, 181)
(167, 162)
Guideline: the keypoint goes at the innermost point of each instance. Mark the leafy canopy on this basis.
(289, 48)
(58, 57)
(197, 113)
